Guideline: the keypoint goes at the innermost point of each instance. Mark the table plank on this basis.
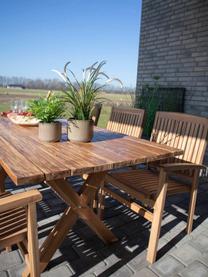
(58, 160)
(17, 167)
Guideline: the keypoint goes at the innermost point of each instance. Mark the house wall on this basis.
(174, 45)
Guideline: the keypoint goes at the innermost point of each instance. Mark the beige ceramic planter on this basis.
(80, 130)
(49, 132)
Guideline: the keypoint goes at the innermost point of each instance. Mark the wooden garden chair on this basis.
(96, 113)
(128, 121)
(150, 186)
(18, 225)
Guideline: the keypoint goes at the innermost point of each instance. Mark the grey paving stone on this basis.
(88, 275)
(175, 230)
(124, 271)
(183, 241)
(48, 221)
(10, 259)
(168, 219)
(87, 261)
(115, 222)
(84, 251)
(62, 270)
(196, 269)
(119, 250)
(16, 271)
(186, 254)
(100, 268)
(162, 243)
(205, 222)
(199, 230)
(138, 262)
(108, 257)
(167, 266)
(96, 270)
(145, 272)
(200, 242)
(205, 232)
(205, 258)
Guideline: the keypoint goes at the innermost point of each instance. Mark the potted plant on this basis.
(47, 110)
(81, 97)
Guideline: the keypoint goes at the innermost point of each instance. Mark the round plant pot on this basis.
(49, 132)
(80, 130)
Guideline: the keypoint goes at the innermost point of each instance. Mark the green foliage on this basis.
(81, 96)
(149, 101)
(47, 109)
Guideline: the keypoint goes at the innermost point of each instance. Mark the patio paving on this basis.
(84, 254)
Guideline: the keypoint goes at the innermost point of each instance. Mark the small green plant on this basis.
(81, 96)
(47, 109)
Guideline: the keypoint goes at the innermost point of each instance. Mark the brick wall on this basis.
(174, 45)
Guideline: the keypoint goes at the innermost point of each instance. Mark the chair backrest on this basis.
(182, 131)
(96, 113)
(127, 121)
(18, 224)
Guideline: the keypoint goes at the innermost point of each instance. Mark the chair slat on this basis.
(126, 121)
(96, 113)
(186, 132)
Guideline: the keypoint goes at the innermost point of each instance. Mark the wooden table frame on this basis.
(78, 209)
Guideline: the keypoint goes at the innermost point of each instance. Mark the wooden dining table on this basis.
(27, 160)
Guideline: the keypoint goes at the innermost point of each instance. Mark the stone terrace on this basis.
(84, 254)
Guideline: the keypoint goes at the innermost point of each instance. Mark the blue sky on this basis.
(37, 36)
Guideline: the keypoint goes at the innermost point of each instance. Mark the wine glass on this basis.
(14, 106)
(19, 110)
(24, 105)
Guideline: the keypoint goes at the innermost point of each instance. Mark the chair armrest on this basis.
(19, 200)
(171, 167)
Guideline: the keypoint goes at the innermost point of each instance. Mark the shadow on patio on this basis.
(83, 253)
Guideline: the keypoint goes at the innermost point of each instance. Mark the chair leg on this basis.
(192, 203)
(157, 218)
(33, 249)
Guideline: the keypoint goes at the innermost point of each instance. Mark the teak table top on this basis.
(28, 160)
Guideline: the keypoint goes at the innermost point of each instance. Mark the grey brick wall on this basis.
(174, 45)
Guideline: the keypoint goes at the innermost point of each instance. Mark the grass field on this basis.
(8, 95)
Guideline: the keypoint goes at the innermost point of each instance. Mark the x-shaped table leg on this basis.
(79, 209)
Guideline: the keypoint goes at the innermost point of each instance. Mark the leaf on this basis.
(65, 66)
(60, 74)
(115, 79)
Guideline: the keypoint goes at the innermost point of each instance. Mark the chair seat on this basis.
(143, 182)
(12, 223)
